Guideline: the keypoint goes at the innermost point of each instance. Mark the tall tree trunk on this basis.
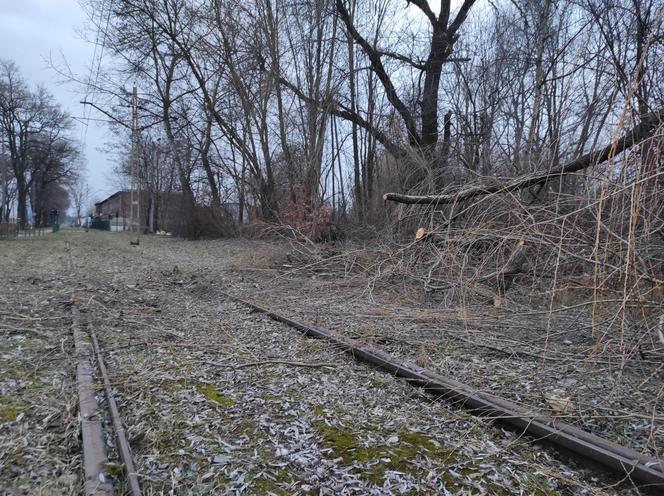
(22, 202)
(358, 204)
(205, 161)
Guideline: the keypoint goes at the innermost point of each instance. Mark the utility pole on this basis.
(135, 207)
(3, 177)
(135, 224)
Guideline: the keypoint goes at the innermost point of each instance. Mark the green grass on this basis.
(211, 393)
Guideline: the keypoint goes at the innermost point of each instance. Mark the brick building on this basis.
(117, 209)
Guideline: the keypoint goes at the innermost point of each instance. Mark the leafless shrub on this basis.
(203, 222)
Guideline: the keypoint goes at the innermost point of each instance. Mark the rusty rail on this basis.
(94, 450)
(589, 447)
(94, 453)
(121, 438)
(97, 480)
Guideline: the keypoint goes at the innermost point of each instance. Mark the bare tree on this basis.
(35, 131)
(79, 194)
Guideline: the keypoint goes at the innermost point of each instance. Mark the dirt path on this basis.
(219, 400)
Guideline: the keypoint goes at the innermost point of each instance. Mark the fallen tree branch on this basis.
(632, 137)
(279, 362)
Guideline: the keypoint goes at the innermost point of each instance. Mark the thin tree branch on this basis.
(379, 69)
(335, 108)
(423, 5)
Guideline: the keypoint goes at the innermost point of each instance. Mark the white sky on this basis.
(33, 30)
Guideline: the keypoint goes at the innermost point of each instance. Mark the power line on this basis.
(83, 119)
(89, 80)
(101, 46)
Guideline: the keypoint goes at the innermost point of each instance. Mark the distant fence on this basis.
(10, 229)
(102, 225)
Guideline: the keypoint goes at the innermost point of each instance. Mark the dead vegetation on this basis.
(215, 398)
(549, 297)
(39, 438)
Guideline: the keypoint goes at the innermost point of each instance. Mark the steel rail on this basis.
(96, 481)
(121, 438)
(638, 467)
(94, 451)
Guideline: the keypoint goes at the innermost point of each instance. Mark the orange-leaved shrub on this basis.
(307, 215)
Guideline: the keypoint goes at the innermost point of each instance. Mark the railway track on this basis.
(645, 471)
(590, 449)
(98, 481)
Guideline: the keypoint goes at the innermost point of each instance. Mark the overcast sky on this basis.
(32, 31)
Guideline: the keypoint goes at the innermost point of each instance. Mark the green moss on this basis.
(10, 408)
(272, 484)
(409, 446)
(379, 381)
(319, 410)
(9, 411)
(211, 393)
(343, 444)
(31, 344)
(312, 345)
(340, 441)
(411, 443)
(114, 469)
(538, 485)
